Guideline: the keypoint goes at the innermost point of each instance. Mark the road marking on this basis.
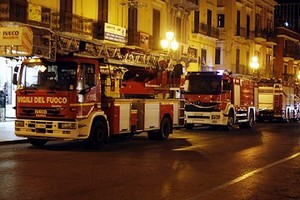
(238, 179)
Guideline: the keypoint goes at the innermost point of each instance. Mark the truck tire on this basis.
(230, 121)
(250, 123)
(189, 126)
(37, 142)
(98, 136)
(164, 131)
(165, 128)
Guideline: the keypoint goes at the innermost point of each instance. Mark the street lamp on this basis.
(254, 63)
(169, 43)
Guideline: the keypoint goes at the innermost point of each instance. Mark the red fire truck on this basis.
(76, 97)
(219, 98)
(277, 100)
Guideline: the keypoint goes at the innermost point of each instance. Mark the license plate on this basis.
(40, 126)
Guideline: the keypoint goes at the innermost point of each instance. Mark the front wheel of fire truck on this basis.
(230, 121)
(164, 131)
(37, 142)
(250, 122)
(98, 135)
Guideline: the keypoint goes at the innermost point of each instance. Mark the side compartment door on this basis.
(124, 122)
(152, 111)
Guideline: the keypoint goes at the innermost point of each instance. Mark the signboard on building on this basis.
(16, 41)
(34, 12)
(114, 33)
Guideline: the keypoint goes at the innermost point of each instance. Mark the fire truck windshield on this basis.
(58, 76)
(204, 84)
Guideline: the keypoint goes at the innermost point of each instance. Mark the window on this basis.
(102, 10)
(196, 21)
(238, 61)
(238, 23)
(285, 69)
(218, 55)
(66, 15)
(178, 29)
(203, 59)
(209, 22)
(132, 24)
(221, 20)
(248, 27)
(247, 62)
(87, 75)
(258, 25)
(156, 28)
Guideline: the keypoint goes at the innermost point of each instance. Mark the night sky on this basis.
(288, 1)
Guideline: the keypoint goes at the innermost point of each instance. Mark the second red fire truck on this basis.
(219, 98)
(277, 100)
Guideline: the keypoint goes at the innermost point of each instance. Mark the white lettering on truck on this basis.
(41, 100)
(56, 100)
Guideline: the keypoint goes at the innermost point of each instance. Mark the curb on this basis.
(14, 142)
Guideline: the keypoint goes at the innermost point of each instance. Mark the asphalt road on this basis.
(261, 163)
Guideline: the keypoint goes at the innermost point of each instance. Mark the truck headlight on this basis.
(19, 123)
(67, 125)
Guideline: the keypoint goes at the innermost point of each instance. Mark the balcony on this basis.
(271, 37)
(241, 32)
(68, 22)
(292, 51)
(187, 5)
(250, 35)
(140, 39)
(260, 34)
(206, 30)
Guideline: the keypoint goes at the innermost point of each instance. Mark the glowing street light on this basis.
(254, 63)
(169, 43)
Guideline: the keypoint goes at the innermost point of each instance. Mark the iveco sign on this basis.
(16, 39)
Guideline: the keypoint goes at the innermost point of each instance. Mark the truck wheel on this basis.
(250, 123)
(98, 135)
(165, 129)
(230, 121)
(189, 126)
(37, 142)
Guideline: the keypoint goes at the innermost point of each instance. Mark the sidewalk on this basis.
(7, 134)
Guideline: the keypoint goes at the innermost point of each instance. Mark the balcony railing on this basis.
(207, 30)
(260, 33)
(140, 39)
(69, 22)
(188, 5)
(241, 32)
(250, 35)
(292, 51)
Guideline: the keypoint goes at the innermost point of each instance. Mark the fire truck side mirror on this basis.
(15, 75)
(16, 69)
(15, 79)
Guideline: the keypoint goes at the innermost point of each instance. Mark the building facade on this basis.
(287, 50)
(246, 29)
